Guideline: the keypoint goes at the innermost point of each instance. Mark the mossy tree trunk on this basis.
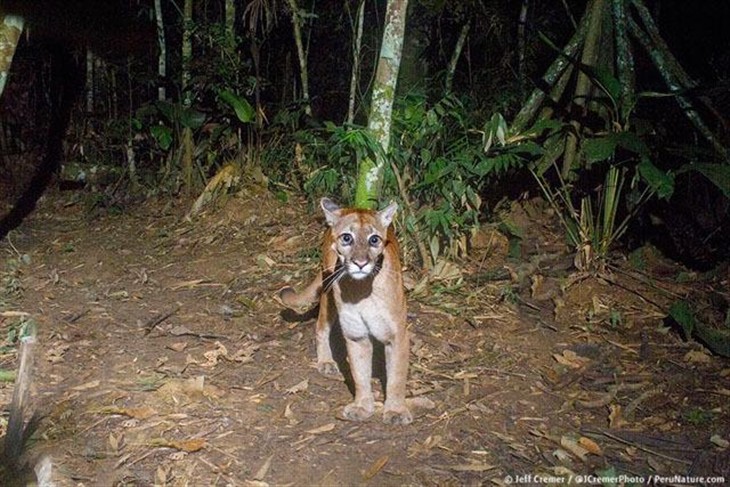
(11, 26)
(162, 55)
(370, 173)
(301, 55)
(186, 155)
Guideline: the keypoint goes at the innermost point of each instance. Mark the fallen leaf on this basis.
(289, 414)
(570, 359)
(181, 330)
(245, 354)
(136, 413)
(189, 446)
(301, 386)
(162, 474)
(562, 455)
(188, 284)
(56, 352)
(420, 402)
(212, 356)
(573, 447)
(178, 346)
(697, 357)
(469, 467)
(322, 429)
(615, 416)
(718, 440)
(376, 467)
(590, 445)
(264, 469)
(87, 386)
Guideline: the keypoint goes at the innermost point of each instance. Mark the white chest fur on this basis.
(364, 313)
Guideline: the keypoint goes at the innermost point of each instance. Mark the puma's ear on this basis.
(331, 210)
(386, 215)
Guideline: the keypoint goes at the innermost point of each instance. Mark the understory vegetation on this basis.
(488, 111)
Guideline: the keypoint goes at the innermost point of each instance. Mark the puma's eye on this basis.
(374, 240)
(346, 239)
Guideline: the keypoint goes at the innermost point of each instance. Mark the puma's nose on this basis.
(360, 262)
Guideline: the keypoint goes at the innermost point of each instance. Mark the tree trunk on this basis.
(456, 55)
(522, 46)
(301, 54)
(162, 56)
(231, 23)
(186, 159)
(583, 84)
(356, 48)
(89, 81)
(187, 51)
(370, 174)
(11, 26)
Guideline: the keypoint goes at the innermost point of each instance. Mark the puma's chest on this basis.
(360, 321)
(364, 312)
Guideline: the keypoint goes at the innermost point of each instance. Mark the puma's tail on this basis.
(307, 297)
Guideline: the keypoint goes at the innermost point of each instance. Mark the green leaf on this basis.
(634, 143)
(244, 110)
(191, 118)
(607, 81)
(529, 148)
(681, 312)
(718, 341)
(659, 181)
(718, 174)
(599, 148)
(162, 135)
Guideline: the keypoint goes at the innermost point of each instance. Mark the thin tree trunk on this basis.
(456, 55)
(231, 23)
(370, 174)
(186, 159)
(356, 48)
(624, 58)
(187, 51)
(583, 84)
(11, 26)
(89, 81)
(521, 45)
(162, 56)
(301, 54)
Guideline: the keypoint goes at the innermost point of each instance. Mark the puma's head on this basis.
(359, 236)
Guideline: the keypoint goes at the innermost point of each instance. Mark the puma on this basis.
(361, 277)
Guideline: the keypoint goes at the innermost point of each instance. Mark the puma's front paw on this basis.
(355, 412)
(328, 369)
(400, 415)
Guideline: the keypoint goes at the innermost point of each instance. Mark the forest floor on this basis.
(164, 360)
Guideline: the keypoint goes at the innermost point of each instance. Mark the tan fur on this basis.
(368, 302)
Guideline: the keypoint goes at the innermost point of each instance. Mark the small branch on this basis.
(425, 256)
(456, 55)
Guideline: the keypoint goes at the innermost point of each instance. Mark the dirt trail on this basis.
(165, 361)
